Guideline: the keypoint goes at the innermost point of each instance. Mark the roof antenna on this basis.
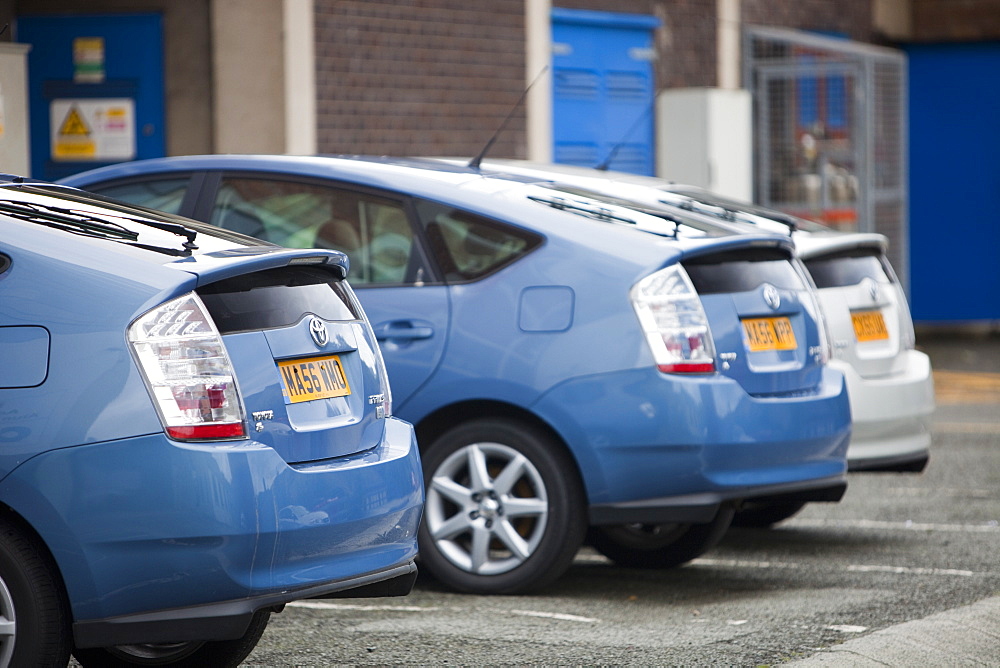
(603, 166)
(474, 163)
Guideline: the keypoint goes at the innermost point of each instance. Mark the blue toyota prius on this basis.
(575, 371)
(196, 430)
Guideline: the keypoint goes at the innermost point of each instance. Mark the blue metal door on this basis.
(603, 89)
(954, 181)
(95, 90)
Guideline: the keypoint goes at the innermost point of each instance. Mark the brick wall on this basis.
(955, 20)
(847, 18)
(419, 77)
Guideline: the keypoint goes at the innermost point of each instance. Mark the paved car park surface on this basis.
(904, 564)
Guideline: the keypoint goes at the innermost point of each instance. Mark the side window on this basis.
(165, 194)
(374, 232)
(468, 246)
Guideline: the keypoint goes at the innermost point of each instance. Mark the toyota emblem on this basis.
(317, 328)
(771, 297)
(873, 289)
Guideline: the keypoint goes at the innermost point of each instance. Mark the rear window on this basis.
(849, 268)
(277, 298)
(743, 271)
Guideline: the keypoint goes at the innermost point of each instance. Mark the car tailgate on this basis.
(305, 360)
(764, 319)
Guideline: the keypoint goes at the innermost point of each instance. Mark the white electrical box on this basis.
(704, 138)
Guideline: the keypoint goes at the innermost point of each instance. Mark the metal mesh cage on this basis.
(830, 132)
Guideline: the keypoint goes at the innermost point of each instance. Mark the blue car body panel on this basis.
(148, 532)
(553, 335)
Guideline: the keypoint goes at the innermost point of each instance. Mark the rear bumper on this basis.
(152, 534)
(229, 620)
(653, 447)
(701, 508)
(892, 416)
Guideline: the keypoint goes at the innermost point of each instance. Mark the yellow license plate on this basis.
(769, 334)
(313, 378)
(869, 326)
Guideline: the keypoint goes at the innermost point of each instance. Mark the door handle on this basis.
(403, 329)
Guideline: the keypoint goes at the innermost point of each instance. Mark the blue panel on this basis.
(603, 89)
(954, 182)
(133, 68)
(604, 19)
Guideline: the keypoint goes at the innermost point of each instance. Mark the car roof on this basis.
(500, 196)
(811, 239)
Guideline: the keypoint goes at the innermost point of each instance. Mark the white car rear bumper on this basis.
(891, 416)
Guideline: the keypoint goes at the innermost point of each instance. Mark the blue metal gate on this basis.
(603, 89)
(954, 181)
(95, 90)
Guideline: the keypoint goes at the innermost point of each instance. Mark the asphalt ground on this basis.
(966, 364)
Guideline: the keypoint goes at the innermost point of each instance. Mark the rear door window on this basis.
(373, 231)
(467, 246)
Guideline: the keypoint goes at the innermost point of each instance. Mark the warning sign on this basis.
(93, 129)
(74, 125)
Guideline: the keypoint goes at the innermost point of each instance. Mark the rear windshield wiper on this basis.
(81, 222)
(734, 215)
(602, 213)
(605, 214)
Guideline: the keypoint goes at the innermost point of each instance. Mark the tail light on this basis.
(188, 372)
(907, 335)
(674, 322)
(383, 377)
(825, 350)
(385, 398)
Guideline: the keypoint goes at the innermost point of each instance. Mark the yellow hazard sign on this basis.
(92, 129)
(74, 125)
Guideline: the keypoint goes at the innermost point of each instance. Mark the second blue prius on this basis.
(575, 371)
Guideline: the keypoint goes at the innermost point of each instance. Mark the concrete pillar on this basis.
(538, 56)
(300, 78)
(15, 155)
(248, 75)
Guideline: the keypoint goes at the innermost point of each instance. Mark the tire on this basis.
(659, 545)
(220, 653)
(766, 513)
(505, 511)
(34, 612)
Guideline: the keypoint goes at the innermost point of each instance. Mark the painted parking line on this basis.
(856, 568)
(318, 605)
(966, 387)
(354, 607)
(966, 427)
(787, 565)
(907, 525)
(555, 615)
